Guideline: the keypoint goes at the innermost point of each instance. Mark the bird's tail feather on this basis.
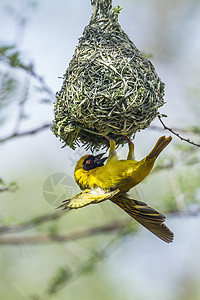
(159, 146)
(146, 216)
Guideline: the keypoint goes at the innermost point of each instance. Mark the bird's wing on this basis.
(87, 197)
(146, 216)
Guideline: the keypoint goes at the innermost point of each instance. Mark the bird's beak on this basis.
(98, 160)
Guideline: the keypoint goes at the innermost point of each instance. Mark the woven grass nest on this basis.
(109, 88)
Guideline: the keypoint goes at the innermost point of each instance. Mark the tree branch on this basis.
(79, 234)
(31, 223)
(177, 134)
(42, 82)
(25, 133)
(47, 238)
(191, 129)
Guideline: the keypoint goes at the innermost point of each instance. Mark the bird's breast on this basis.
(81, 178)
(121, 175)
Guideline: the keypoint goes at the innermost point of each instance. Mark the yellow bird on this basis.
(113, 180)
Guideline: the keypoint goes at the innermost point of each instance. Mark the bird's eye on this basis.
(87, 162)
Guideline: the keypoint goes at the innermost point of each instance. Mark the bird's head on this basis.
(89, 162)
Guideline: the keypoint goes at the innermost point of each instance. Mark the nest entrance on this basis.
(109, 86)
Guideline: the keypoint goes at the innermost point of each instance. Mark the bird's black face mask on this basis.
(92, 162)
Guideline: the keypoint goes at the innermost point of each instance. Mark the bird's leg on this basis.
(131, 155)
(112, 151)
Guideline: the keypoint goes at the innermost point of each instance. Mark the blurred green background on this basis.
(129, 262)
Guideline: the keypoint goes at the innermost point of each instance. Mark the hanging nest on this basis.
(109, 88)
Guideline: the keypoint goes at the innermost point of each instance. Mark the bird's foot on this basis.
(129, 140)
(106, 136)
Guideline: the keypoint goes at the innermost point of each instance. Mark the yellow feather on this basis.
(114, 179)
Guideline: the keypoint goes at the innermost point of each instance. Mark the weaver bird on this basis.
(113, 180)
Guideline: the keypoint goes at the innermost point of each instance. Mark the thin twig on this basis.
(30, 223)
(25, 133)
(43, 84)
(177, 134)
(183, 130)
(22, 103)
